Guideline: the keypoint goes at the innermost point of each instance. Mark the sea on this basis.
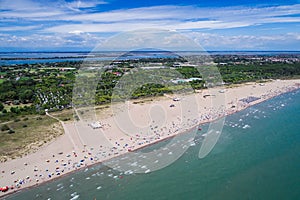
(256, 157)
(18, 58)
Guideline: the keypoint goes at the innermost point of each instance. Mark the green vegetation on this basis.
(26, 91)
(252, 72)
(4, 127)
(30, 89)
(21, 137)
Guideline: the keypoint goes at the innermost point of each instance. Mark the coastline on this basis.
(293, 85)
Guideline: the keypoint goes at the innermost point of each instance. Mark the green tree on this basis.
(26, 95)
(1, 106)
(15, 110)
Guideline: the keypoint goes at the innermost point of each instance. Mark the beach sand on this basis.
(131, 126)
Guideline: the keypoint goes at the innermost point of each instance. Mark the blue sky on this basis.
(216, 25)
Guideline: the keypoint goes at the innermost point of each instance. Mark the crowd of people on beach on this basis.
(64, 162)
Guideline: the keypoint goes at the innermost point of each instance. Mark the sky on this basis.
(216, 25)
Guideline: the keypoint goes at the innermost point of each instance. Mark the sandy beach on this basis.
(131, 126)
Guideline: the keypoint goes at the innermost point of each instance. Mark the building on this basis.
(95, 125)
(185, 80)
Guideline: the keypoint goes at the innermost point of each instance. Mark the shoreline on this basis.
(167, 137)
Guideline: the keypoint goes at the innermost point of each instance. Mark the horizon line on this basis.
(87, 51)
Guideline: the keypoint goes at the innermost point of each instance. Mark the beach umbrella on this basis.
(4, 189)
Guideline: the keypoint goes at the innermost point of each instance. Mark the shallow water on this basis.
(256, 157)
(56, 57)
(15, 58)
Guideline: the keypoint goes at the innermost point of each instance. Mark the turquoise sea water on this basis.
(256, 157)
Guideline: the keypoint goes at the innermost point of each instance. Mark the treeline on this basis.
(246, 73)
(17, 91)
(51, 87)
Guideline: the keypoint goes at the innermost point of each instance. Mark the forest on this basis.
(32, 88)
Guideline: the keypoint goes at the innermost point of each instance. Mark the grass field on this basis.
(7, 107)
(31, 132)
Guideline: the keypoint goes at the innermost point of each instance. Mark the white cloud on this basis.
(149, 38)
(177, 17)
(77, 23)
(207, 41)
(294, 35)
(56, 40)
(42, 10)
(157, 24)
(263, 42)
(28, 9)
(185, 17)
(76, 32)
(18, 28)
(19, 5)
(76, 5)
